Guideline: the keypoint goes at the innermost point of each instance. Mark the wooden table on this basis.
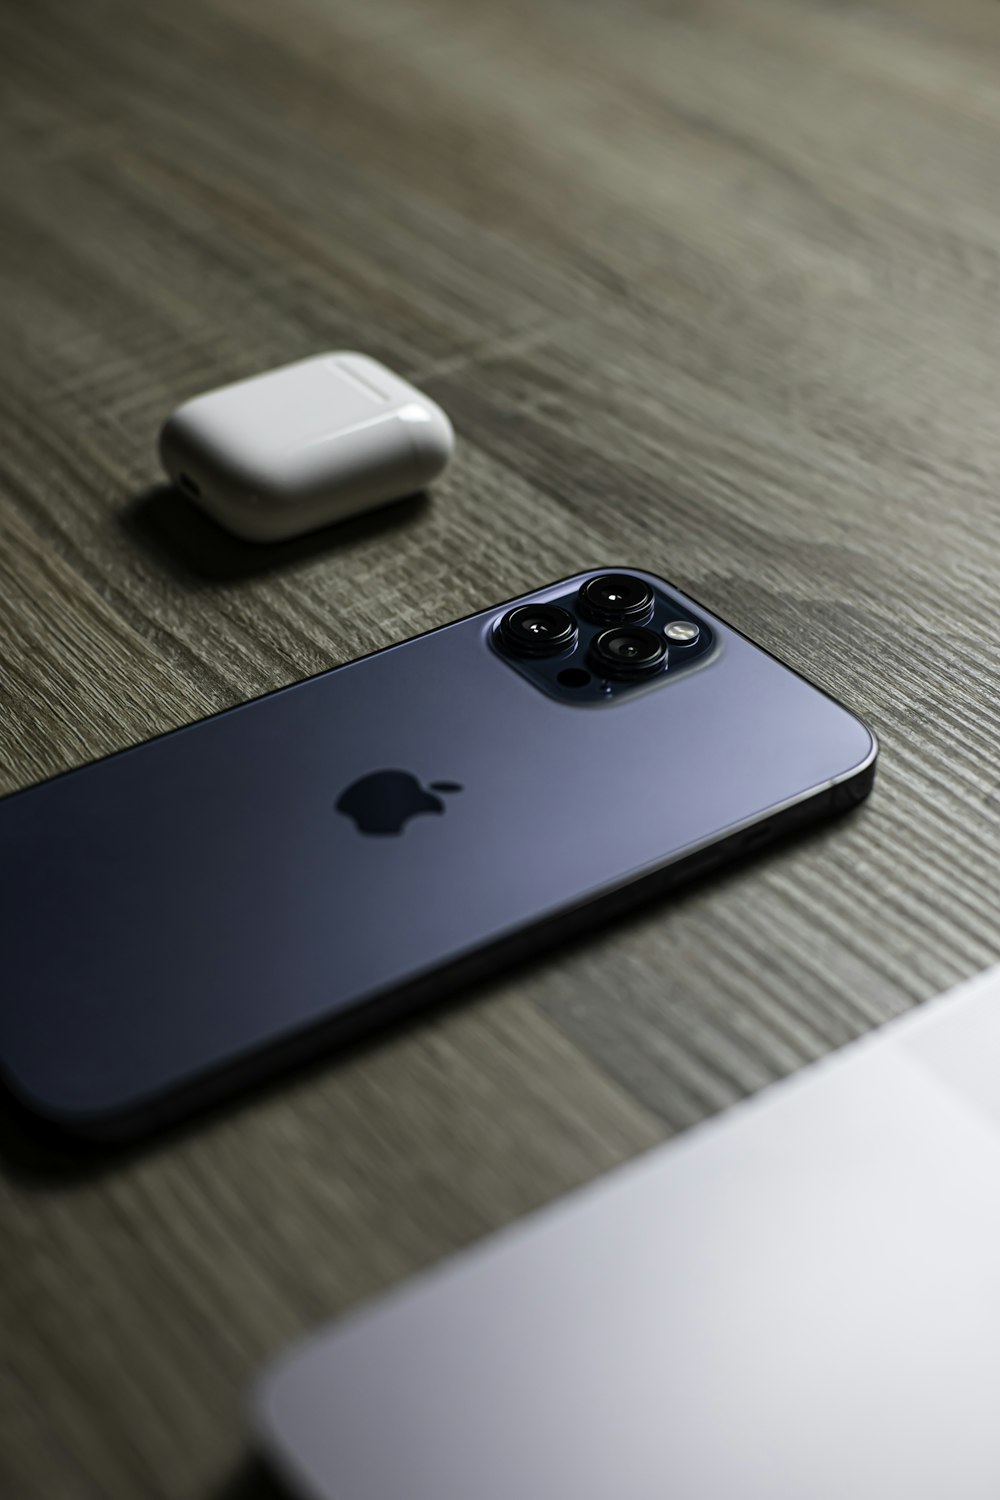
(712, 287)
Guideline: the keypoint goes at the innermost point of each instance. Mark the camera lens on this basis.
(537, 630)
(616, 599)
(628, 652)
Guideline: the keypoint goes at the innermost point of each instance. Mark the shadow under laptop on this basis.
(196, 551)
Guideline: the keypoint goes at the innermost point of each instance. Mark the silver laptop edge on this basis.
(798, 1300)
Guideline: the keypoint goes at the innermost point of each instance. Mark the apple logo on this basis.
(384, 801)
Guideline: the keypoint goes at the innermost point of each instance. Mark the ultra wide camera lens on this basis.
(537, 630)
(616, 599)
(628, 652)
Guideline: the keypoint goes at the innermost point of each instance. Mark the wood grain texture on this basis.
(707, 286)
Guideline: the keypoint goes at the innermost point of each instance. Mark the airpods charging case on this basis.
(310, 443)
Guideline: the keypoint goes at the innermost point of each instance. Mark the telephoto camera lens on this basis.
(628, 652)
(616, 599)
(537, 630)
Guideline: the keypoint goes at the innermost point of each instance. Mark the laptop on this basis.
(799, 1300)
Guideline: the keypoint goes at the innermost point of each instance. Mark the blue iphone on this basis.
(224, 899)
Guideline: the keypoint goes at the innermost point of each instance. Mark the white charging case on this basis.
(310, 443)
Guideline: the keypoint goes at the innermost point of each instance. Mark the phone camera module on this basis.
(616, 599)
(537, 630)
(629, 652)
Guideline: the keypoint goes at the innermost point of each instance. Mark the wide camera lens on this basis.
(616, 599)
(628, 652)
(537, 630)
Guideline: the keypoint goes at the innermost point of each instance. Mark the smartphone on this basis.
(196, 911)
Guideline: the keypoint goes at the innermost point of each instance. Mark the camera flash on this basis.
(681, 632)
